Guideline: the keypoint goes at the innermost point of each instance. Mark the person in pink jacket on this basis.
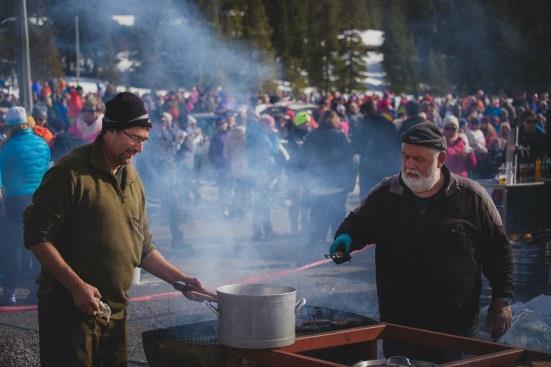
(88, 123)
(459, 155)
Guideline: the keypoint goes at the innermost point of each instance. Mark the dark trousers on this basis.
(71, 339)
(20, 262)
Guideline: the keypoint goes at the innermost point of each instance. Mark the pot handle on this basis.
(210, 305)
(300, 304)
(399, 361)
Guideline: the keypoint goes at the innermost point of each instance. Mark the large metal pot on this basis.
(256, 316)
(394, 362)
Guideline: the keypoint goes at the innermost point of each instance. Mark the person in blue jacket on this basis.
(24, 158)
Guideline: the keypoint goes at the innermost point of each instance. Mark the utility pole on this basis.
(77, 41)
(24, 74)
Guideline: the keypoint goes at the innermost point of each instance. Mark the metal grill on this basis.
(196, 345)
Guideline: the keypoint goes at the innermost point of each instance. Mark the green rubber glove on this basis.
(340, 248)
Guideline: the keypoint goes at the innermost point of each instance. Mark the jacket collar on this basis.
(99, 161)
(450, 187)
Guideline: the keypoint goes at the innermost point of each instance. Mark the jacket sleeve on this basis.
(148, 245)
(495, 250)
(51, 206)
(361, 223)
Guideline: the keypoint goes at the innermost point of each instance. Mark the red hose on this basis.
(173, 294)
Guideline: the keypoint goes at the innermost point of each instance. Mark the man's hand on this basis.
(499, 318)
(86, 298)
(194, 290)
(340, 248)
(195, 283)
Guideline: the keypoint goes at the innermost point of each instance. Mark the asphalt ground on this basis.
(219, 251)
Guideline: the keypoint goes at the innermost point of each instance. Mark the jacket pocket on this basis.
(454, 237)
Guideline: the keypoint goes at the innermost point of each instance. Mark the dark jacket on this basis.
(216, 149)
(535, 146)
(429, 261)
(377, 142)
(327, 155)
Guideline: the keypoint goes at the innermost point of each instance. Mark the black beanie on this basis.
(124, 111)
(425, 134)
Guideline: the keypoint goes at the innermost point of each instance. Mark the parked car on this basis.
(206, 121)
(283, 107)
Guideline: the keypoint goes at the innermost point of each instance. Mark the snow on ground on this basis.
(531, 326)
(375, 80)
(540, 305)
(373, 37)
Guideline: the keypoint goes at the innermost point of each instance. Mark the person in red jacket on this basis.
(75, 103)
(40, 116)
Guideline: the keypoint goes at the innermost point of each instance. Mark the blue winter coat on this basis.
(24, 159)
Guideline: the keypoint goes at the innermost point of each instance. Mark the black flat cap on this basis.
(426, 135)
(124, 111)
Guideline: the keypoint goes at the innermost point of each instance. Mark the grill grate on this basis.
(196, 344)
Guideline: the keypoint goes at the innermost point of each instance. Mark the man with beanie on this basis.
(88, 226)
(434, 232)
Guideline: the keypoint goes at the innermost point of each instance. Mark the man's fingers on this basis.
(97, 294)
(500, 325)
(498, 329)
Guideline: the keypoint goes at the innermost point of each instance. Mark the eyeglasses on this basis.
(138, 140)
(450, 128)
(89, 110)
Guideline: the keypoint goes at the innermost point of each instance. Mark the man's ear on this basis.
(109, 135)
(441, 158)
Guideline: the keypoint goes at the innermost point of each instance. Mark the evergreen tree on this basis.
(212, 11)
(8, 33)
(322, 43)
(437, 73)
(496, 45)
(45, 60)
(374, 14)
(255, 25)
(400, 55)
(351, 70)
(107, 67)
(231, 20)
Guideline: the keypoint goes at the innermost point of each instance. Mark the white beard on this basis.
(420, 184)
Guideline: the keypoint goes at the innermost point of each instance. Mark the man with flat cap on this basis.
(87, 225)
(434, 232)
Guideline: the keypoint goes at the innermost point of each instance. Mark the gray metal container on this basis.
(530, 274)
(256, 316)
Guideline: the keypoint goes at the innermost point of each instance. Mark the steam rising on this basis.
(174, 37)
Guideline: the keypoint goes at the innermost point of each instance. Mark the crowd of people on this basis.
(84, 217)
(308, 160)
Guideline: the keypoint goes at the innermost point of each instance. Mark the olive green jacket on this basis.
(99, 227)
